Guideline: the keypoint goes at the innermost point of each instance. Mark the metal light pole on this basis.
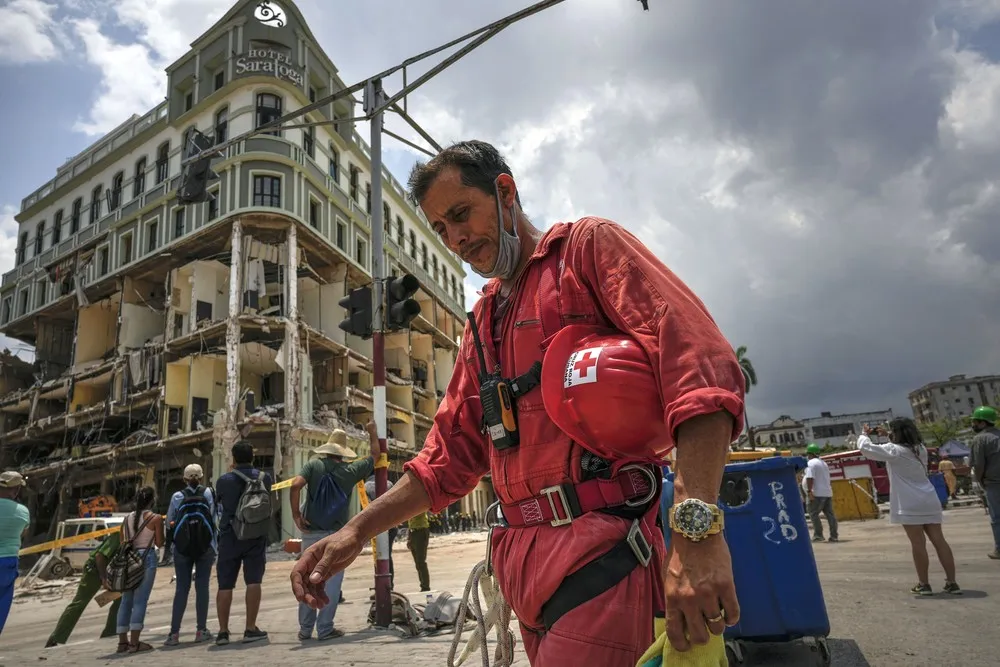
(372, 103)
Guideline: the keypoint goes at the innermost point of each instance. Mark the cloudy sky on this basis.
(823, 174)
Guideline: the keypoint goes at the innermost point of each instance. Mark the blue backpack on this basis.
(327, 504)
(194, 527)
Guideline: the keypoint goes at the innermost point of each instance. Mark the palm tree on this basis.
(750, 375)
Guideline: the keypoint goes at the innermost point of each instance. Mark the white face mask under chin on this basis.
(508, 245)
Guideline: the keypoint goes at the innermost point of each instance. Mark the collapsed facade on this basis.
(163, 332)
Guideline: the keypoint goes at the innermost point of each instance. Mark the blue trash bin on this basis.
(937, 479)
(777, 581)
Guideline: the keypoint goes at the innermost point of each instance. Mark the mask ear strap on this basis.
(513, 210)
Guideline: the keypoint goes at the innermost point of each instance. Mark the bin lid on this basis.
(769, 463)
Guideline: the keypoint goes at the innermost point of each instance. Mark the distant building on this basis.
(836, 430)
(782, 432)
(955, 397)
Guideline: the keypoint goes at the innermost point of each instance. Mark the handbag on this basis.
(127, 568)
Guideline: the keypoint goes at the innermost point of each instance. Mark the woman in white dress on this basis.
(913, 501)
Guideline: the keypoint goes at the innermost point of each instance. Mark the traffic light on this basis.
(196, 176)
(400, 307)
(358, 304)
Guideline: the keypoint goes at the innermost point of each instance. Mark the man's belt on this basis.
(633, 486)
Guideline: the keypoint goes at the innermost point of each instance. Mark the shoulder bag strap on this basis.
(548, 290)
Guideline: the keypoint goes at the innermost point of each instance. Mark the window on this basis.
(334, 165)
(341, 236)
(368, 198)
(413, 244)
(179, 223)
(268, 110)
(39, 237)
(188, 102)
(423, 253)
(362, 252)
(139, 180)
(116, 190)
(152, 236)
(40, 292)
(126, 249)
(21, 245)
(95, 204)
(222, 125)
(314, 213)
(267, 191)
(212, 206)
(57, 223)
(454, 287)
(74, 218)
(387, 220)
(309, 141)
(186, 147)
(354, 182)
(8, 304)
(312, 94)
(220, 79)
(162, 162)
(444, 276)
(400, 238)
(434, 262)
(102, 256)
(22, 307)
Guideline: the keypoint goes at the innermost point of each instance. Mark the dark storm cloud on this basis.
(820, 173)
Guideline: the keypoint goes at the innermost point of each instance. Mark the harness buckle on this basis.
(639, 544)
(652, 484)
(550, 492)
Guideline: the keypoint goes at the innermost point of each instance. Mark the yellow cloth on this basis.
(663, 654)
(419, 521)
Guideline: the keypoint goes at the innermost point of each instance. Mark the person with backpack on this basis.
(244, 498)
(191, 521)
(330, 479)
(132, 569)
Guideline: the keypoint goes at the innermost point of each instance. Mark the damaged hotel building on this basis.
(163, 333)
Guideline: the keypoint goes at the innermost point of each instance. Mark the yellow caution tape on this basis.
(66, 541)
(282, 485)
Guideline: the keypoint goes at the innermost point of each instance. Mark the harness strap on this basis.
(527, 381)
(560, 505)
(598, 576)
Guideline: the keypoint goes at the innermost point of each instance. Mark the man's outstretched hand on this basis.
(321, 561)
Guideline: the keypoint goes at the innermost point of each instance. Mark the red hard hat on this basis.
(599, 388)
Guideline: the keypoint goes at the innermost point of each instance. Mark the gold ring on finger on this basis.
(717, 619)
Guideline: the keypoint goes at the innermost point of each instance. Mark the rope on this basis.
(498, 614)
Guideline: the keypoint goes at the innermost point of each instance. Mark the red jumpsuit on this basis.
(606, 277)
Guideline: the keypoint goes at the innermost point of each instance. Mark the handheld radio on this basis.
(497, 399)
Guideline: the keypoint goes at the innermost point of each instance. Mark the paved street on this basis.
(865, 578)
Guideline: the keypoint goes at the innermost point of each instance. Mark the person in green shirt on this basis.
(417, 538)
(94, 576)
(317, 522)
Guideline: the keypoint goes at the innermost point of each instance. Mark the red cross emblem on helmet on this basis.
(599, 388)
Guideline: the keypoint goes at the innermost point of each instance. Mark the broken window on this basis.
(74, 218)
(314, 213)
(162, 162)
(57, 222)
(126, 249)
(362, 253)
(212, 206)
(103, 261)
(139, 180)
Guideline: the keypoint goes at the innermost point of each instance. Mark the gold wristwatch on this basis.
(696, 520)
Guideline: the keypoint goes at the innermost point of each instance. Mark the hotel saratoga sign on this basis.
(266, 60)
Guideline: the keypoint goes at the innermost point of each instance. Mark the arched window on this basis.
(221, 125)
(268, 109)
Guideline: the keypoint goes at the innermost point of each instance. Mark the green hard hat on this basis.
(813, 448)
(984, 413)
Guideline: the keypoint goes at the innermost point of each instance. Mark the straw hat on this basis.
(336, 446)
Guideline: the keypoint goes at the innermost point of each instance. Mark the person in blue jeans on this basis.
(316, 523)
(144, 528)
(185, 564)
(14, 520)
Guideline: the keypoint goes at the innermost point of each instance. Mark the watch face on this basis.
(694, 517)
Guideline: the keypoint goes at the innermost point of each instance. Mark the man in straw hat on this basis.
(330, 477)
(14, 520)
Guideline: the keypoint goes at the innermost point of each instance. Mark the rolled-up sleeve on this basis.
(455, 456)
(694, 364)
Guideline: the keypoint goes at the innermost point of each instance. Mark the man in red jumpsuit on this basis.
(588, 272)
